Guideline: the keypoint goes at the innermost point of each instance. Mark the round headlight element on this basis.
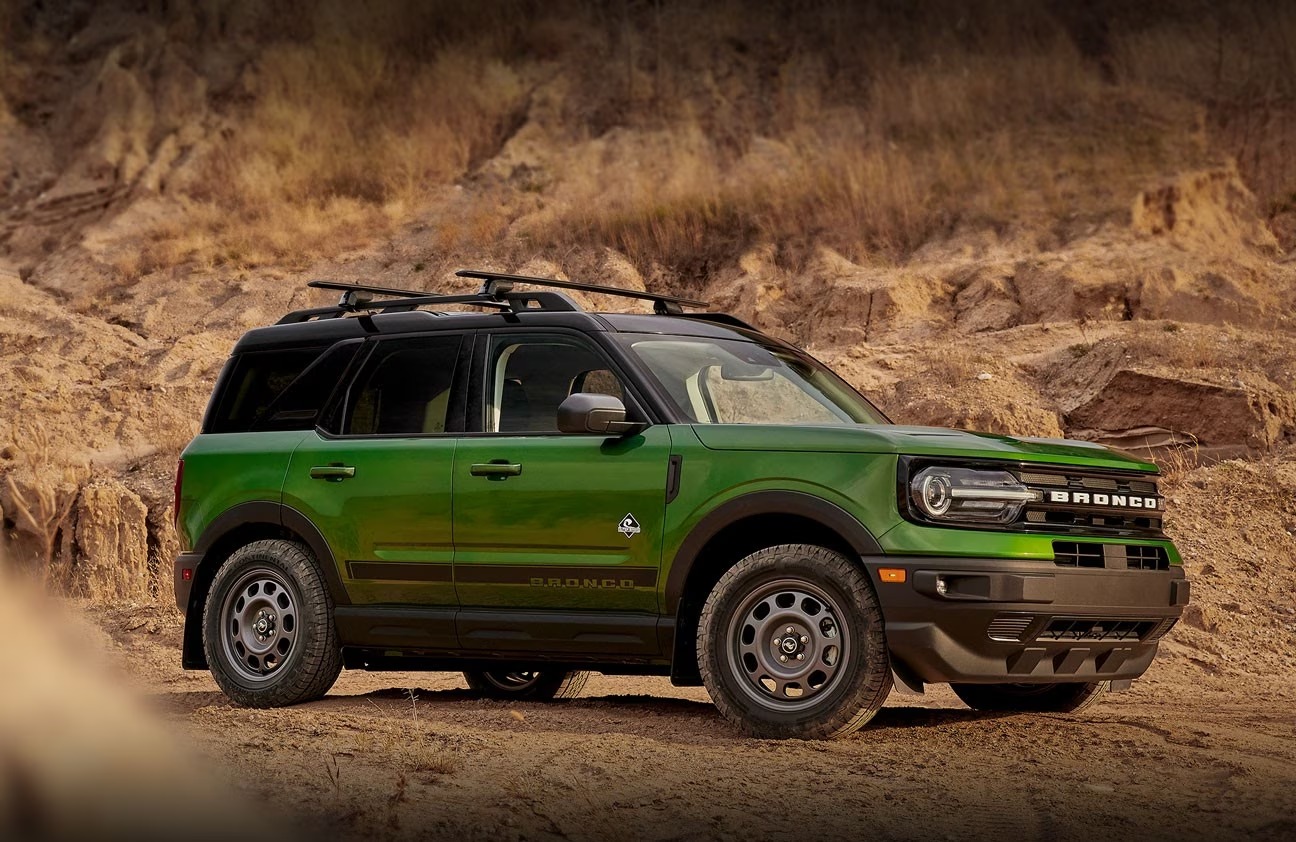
(969, 495)
(934, 494)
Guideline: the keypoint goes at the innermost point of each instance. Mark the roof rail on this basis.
(496, 293)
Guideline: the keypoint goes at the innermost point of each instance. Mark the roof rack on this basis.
(502, 282)
(496, 293)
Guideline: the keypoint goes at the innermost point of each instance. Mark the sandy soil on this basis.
(392, 756)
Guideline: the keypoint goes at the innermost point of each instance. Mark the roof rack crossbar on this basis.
(496, 293)
(498, 283)
(372, 290)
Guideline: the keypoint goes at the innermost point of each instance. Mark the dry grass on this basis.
(1006, 126)
(871, 128)
(347, 130)
(41, 493)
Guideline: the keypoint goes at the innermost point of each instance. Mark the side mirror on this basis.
(584, 412)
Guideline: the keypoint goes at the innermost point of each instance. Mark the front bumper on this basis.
(1001, 620)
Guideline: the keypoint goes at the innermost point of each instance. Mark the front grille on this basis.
(1071, 554)
(1091, 628)
(1108, 504)
(1146, 558)
(1110, 556)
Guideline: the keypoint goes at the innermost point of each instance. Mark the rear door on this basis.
(376, 479)
(561, 531)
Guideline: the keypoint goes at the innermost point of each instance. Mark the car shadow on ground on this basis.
(648, 708)
(623, 713)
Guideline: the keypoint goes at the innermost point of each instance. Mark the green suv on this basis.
(534, 492)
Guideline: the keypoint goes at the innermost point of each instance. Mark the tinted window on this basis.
(298, 407)
(255, 380)
(404, 388)
(531, 376)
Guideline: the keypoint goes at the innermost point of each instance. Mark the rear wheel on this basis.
(791, 644)
(268, 626)
(527, 685)
(1035, 698)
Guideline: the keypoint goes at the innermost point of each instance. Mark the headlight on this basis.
(968, 494)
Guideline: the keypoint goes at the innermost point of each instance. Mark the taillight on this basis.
(175, 503)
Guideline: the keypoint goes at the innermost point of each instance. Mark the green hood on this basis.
(915, 441)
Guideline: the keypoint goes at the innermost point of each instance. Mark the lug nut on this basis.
(790, 630)
(800, 656)
(783, 658)
(805, 639)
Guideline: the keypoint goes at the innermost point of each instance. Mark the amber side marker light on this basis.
(895, 575)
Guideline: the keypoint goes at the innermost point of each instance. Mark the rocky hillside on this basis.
(1045, 219)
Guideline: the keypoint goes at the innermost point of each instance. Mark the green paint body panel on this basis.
(529, 541)
(396, 509)
(225, 470)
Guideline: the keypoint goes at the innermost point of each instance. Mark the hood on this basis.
(916, 441)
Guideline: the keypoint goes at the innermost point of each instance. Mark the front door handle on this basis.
(495, 469)
(332, 472)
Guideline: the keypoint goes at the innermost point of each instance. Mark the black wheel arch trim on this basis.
(798, 503)
(253, 513)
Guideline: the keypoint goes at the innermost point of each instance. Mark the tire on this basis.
(829, 603)
(531, 686)
(268, 626)
(1033, 698)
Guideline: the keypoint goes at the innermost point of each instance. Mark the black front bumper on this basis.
(998, 620)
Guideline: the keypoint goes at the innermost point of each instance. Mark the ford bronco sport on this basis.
(534, 492)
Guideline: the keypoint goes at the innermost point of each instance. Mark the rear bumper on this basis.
(997, 620)
(183, 586)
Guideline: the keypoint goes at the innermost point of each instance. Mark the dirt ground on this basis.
(394, 756)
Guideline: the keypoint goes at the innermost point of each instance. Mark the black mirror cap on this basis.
(584, 413)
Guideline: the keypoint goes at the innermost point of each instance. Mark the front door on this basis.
(567, 527)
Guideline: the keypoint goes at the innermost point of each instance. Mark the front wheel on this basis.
(527, 685)
(1070, 697)
(791, 644)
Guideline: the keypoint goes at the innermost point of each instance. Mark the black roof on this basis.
(328, 331)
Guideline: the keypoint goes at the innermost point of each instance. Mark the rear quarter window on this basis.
(253, 383)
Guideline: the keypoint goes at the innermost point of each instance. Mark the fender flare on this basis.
(799, 503)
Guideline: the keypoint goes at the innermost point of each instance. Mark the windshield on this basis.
(729, 381)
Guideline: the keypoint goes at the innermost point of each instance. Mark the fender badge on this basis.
(628, 526)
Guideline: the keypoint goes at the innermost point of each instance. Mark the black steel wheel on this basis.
(527, 685)
(791, 644)
(268, 626)
(1070, 697)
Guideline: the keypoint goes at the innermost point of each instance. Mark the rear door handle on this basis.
(332, 472)
(495, 469)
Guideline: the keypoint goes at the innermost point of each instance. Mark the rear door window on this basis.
(405, 389)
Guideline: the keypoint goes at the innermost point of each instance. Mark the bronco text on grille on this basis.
(1113, 504)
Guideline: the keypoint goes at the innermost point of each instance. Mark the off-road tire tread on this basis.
(1071, 697)
(320, 661)
(874, 683)
(553, 685)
